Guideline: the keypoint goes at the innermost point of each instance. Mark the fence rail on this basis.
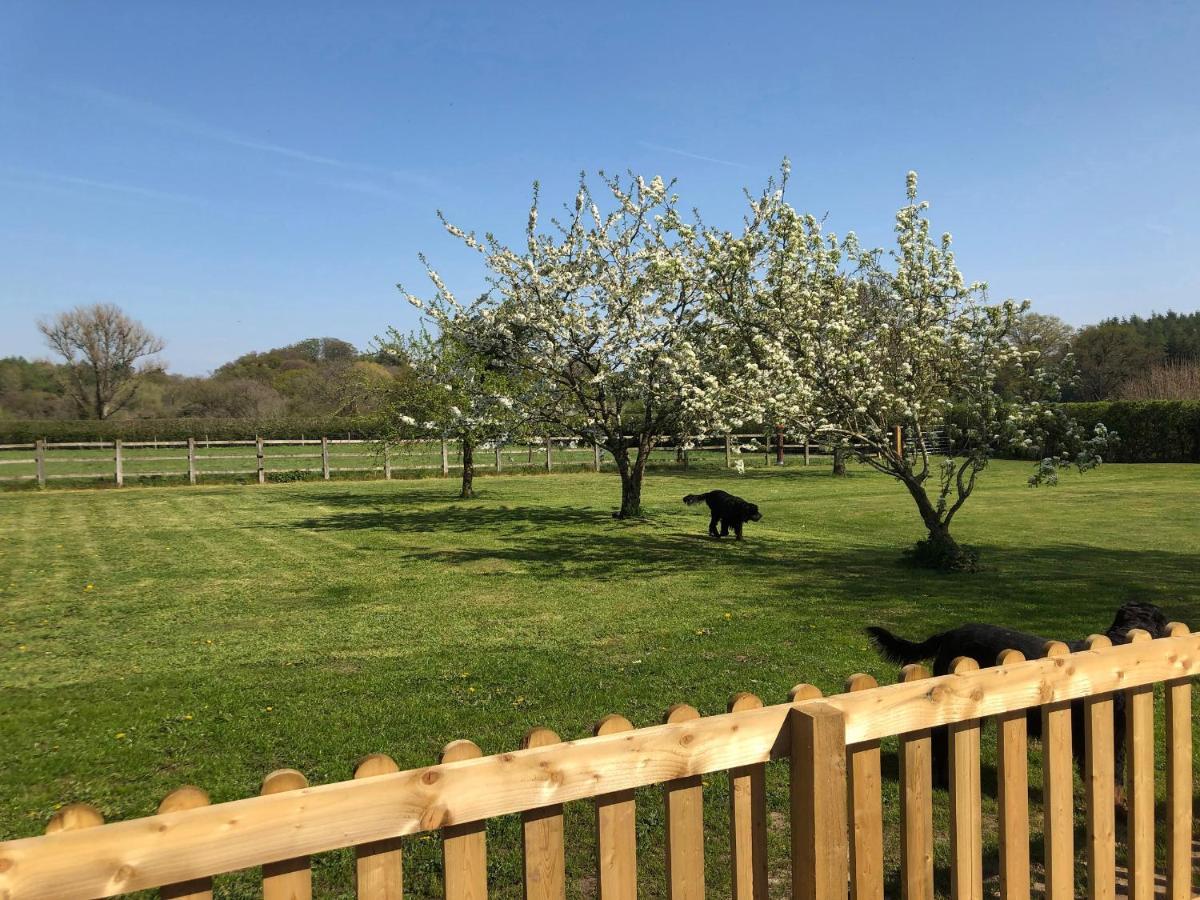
(836, 797)
(125, 460)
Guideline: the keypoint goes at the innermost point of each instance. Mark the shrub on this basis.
(26, 431)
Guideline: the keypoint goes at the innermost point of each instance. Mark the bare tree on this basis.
(101, 347)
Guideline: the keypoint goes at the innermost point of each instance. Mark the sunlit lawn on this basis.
(160, 636)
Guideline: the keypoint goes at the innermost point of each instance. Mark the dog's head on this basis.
(755, 515)
(1137, 614)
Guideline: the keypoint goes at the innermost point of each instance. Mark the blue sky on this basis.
(243, 175)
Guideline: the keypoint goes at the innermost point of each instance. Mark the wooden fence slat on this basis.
(379, 865)
(866, 809)
(191, 460)
(325, 458)
(966, 828)
(261, 462)
(1058, 782)
(186, 797)
(684, 804)
(1139, 755)
(916, 805)
(1012, 777)
(748, 819)
(1179, 782)
(287, 879)
(820, 855)
(1100, 781)
(616, 832)
(39, 459)
(543, 852)
(464, 846)
(118, 464)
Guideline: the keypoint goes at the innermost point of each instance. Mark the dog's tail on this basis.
(693, 499)
(897, 650)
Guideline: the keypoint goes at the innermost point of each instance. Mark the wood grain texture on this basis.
(683, 802)
(378, 865)
(748, 819)
(1012, 798)
(1099, 780)
(543, 852)
(863, 770)
(1180, 776)
(1058, 805)
(286, 879)
(966, 827)
(1139, 781)
(464, 846)
(616, 830)
(186, 797)
(820, 852)
(916, 805)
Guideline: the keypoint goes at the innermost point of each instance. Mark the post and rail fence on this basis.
(836, 807)
(264, 460)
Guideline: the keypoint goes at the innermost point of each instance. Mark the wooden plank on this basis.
(286, 879)
(261, 461)
(464, 846)
(1012, 777)
(325, 458)
(616, 830)
(748, 819)
(74, 817)
(147, 852)
(1139, 781)
(820, 855)
(379, 865)
(916, 805)
(1179, 782)
(1058, 805)
(191, 460)
(186, 797)
(966, 828)
(118, 464)
(866, 809)
(683, 802)
(542, 844)
(1099, 780)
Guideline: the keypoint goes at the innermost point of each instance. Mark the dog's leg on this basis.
(712, 525)
(737, 530)
(724, 528)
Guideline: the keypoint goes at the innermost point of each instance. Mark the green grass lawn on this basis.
(156, 637)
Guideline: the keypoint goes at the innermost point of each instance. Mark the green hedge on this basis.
(23, 431)
(1148, 430)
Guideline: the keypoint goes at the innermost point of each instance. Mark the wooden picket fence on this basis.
(836, 801)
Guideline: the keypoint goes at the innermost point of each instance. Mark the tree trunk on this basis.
(939, 550)
(468, 470)
(839, 462)
(631, 483)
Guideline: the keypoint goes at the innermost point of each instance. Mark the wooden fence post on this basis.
(445, 459)
(1139, 780)
(186, 797)
(966, 828)
(464, 846)
(1012, 799)
(191, 460)
(863, 769)
(287, 879)
(684, 806)
(1099, 780)
(728, 452)
(1179, 781)
(748, 819)
(820, 861)
(73, 817)
(616, 831)
(542, 845)
(258, 451)
(549, 453)
(379, 865)
(387, 462)
(118, 463)
(916, 805)
(325, 458)
(39, 459)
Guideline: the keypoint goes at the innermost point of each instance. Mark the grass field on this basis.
(209, 635)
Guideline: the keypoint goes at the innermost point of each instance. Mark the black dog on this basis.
(984, 643)
(726, 509)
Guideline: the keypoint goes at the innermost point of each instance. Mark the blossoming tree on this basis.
(599, 318)
(457, 394)
(817, 333)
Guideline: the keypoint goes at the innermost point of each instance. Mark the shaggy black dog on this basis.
(984, 643)
(726, 509)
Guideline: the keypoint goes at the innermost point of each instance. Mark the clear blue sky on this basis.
(243, 175)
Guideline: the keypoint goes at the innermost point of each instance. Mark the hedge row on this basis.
(21, 431)
(1148, 430)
